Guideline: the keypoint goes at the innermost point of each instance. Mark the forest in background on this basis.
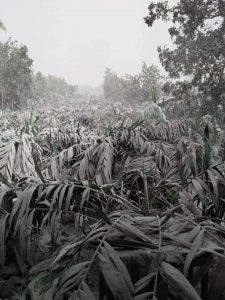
(117, 193)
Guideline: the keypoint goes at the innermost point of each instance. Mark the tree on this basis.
(112, 86)
(50, 88)
(15, 74)
(39, 86)
(132, 88)
(143, 87)
(138, 88)
(199, 42)
(58, 85)
(150, 81)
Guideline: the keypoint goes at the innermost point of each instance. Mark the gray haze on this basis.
(78, 39)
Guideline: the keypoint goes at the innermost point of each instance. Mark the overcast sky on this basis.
(78, 39)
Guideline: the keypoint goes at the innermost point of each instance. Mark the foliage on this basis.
(142, 87)
(112, 86)
(134, 261)
(83, 206)
(51, 87)
(20, 87)
(197, 33)
(15, 74)
(109, 198)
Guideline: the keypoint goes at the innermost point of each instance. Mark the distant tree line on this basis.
(138, 88)
(19, 85)
(51, 87)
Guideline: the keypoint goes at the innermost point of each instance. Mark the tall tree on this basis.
(144, 86)
(112, 86)
(132, 92)
(198, 35)
(150, 80)
(15, 74)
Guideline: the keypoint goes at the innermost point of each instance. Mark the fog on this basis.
(78, 39)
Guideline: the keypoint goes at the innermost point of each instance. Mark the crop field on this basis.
(102, 201)
(112, 150)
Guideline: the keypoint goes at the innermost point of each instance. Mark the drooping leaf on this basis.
(197, 243)
(178, 282)
(115, 274)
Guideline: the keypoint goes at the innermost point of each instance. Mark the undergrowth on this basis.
(109, 202)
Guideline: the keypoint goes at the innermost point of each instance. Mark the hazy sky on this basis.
(78, 39)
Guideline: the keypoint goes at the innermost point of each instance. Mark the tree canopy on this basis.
(19, 85)
(138, 88)
(51, 87)
(197, 33)
(15, 74)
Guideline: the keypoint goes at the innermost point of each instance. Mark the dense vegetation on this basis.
(121, 196)
(197, 32)
(90, 195)
(20, 87)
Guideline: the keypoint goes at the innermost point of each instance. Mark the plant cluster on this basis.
(128, 207)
